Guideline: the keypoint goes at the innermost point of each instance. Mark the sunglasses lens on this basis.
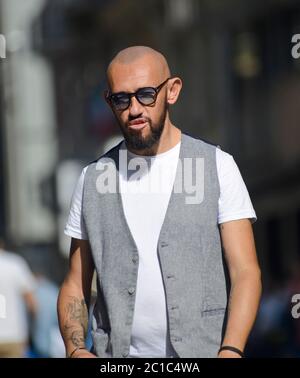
(146, 96)
(120, 101)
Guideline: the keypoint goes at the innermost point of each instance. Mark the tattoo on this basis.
(77, 311)
(77, 338)
(76, 321)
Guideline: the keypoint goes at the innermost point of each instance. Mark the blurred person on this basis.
(46, 338)
(17, 288)
(162, 287)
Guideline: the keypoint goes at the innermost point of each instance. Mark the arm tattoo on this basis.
(76, 321)
(77, 338)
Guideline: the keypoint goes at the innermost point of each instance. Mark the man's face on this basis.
(141, 125)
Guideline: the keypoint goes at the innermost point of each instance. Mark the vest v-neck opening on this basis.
(119, 195)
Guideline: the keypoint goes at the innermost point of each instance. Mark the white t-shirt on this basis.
(16, 279)
(145, 210)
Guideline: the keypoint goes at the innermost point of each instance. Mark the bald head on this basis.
(138, 60)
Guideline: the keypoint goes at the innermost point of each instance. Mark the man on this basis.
(161, 274)
(16, 296)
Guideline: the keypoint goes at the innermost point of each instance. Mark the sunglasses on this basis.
(145, 96)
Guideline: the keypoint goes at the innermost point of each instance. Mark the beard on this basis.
(139, 142)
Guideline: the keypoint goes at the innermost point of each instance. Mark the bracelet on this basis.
(77, 348)
(232, 349)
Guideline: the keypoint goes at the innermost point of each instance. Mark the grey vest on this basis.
(190, 255)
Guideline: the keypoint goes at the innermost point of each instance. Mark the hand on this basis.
(228, 354)
(83, 353)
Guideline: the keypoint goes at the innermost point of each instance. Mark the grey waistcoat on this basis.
(190, 254)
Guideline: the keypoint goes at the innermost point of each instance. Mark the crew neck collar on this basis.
(156, 156)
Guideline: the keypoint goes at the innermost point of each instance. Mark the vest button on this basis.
(134, 259)
(164, 244)
(131, 290)
(125, 354)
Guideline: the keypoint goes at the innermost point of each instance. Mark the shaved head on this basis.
(139, 55)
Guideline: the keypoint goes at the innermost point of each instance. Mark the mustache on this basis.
(145, 119)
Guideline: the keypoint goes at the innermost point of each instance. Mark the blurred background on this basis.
(241, 89)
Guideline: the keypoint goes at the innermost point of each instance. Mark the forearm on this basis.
(72, 316)
(243, 305)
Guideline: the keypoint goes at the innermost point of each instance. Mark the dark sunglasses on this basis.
(145, 96)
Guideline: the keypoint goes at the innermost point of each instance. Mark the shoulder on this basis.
(227, 167)
(224, 159)
(201, 142)
(92, 165)
(106, 155)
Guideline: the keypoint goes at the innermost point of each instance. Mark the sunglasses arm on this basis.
(106, 95)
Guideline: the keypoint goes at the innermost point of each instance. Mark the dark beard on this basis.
(138, 143)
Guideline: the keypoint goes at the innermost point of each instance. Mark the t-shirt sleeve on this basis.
(234, 200)
(75, 226)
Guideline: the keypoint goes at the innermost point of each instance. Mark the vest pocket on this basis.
(213, 327)
(100, 342)
(213, 311)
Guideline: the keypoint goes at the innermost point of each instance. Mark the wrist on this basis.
(233, 349)
(74, 351)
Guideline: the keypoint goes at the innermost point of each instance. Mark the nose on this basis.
(135, 108)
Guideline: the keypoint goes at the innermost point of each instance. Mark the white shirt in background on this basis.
(16, 279)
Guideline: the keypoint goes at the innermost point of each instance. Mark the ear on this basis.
(174, 88)
(106, 96)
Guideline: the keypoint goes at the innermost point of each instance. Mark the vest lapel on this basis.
(183, 152)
